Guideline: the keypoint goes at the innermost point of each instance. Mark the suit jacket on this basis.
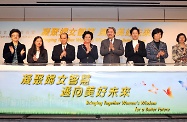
(136, 57)
(43, 57)
(8, 56)
(112, 56)
(87, 58)
(152, 52)
(70, 53)
(178, 53)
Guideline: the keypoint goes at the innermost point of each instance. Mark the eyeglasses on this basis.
(14, 35)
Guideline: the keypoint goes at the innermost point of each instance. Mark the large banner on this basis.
(50, 32)
(98, 93)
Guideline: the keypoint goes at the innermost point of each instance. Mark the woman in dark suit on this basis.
(156, 49)
(87, 52)
(14, 52)
(37, 53)
(135, 49)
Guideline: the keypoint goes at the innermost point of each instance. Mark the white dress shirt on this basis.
(37, 54)
(112, 40)
(134, 43)
(64, 46)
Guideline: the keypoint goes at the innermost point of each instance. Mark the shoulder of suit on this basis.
(104, 40)
(70, 45)
(174, 46)
(128, 42)
(140, 41)
(8, 43)
(80, 46)
(150, 43)
(22, 45)
(19, 43)
(57, 45)
(45, 49)
(162, 42)
(29, 49)
(93, 45)
(117, 39)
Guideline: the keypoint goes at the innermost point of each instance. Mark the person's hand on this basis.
(111, 47)
(158, 55)
(184, 51)
(88, 48)
(34, 58)
(22, 52)
(183, 59)
(162, 53)
(11, 49)
(136, 48)
(63, 54)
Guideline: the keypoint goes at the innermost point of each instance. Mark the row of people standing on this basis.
(111, 48)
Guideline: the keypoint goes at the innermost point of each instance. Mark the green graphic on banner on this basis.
(113, 93)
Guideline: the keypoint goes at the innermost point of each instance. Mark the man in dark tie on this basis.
(111, 48)
(64, 51)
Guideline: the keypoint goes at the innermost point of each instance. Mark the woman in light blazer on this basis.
(179, 51)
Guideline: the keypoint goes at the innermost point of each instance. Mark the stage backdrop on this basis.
(50, 32)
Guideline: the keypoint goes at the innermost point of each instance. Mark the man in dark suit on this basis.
(64, 51)
(111, 48)
(135, 49)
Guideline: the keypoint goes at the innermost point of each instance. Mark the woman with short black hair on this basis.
(87, 52)
(156, 49)
(135, 49)
(14, 52)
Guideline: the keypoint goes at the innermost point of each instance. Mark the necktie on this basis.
(110, 40)
(64, 48)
